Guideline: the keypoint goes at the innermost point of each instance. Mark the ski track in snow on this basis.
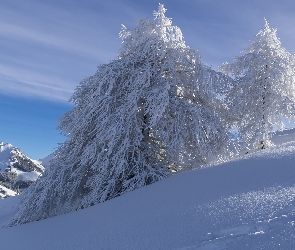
(224, 237)
(221, 239)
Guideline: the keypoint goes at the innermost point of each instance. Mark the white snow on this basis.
(284, 136)
(46, 160)
(6, 192)
(6, 211)
(248, 203)
(10, 158)
(5, 153)
(27, 176)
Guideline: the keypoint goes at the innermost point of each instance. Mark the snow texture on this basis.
(17, 171)
(264, 91)
(45, 162)
(245, 204)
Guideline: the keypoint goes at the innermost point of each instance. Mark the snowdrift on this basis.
(248, 203)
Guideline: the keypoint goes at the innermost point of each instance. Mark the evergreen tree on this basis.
(148, 112)
(264, 91)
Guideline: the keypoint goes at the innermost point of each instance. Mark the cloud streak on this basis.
(23, 34)
(47, 55)
(27, 82)
(56, 44)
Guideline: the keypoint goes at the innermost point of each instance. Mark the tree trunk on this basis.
(264, 124)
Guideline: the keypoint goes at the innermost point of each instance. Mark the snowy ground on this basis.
(4, 155)
(45, 161)
(4, 192)
(6, 212)
(248, 203)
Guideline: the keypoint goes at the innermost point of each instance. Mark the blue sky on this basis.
(48, 47)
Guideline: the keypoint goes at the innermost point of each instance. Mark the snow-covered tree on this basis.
(264, 91)
(148, 112)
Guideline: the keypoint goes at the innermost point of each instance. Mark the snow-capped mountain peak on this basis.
(17, 171)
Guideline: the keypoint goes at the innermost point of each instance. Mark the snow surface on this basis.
(284, 136)
(26, 176)
(5, 153)
(46, 160)
(6, 212)
(4, 192)
(248, 203)
(13, 160)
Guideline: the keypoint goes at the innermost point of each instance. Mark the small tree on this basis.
(149, 111)
(264, 91)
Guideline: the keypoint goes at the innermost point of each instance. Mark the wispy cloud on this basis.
(23, 34)
(26, 82)
(52, 45)
(46, 53)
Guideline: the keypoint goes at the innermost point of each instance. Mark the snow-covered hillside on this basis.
(248, 203)
(17, 171)
(284, 136)
(46, 160)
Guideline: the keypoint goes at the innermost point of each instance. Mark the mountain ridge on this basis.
(17, 171)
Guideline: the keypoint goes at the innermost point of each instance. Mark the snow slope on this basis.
(5, 153)
(6, 192)
(46, 160)
(6, 211)
(248, 203)
(284, 136)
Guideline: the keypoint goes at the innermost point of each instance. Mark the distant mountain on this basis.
(17, 171)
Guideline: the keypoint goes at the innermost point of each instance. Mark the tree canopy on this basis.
(150, 111)
(264, 91)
